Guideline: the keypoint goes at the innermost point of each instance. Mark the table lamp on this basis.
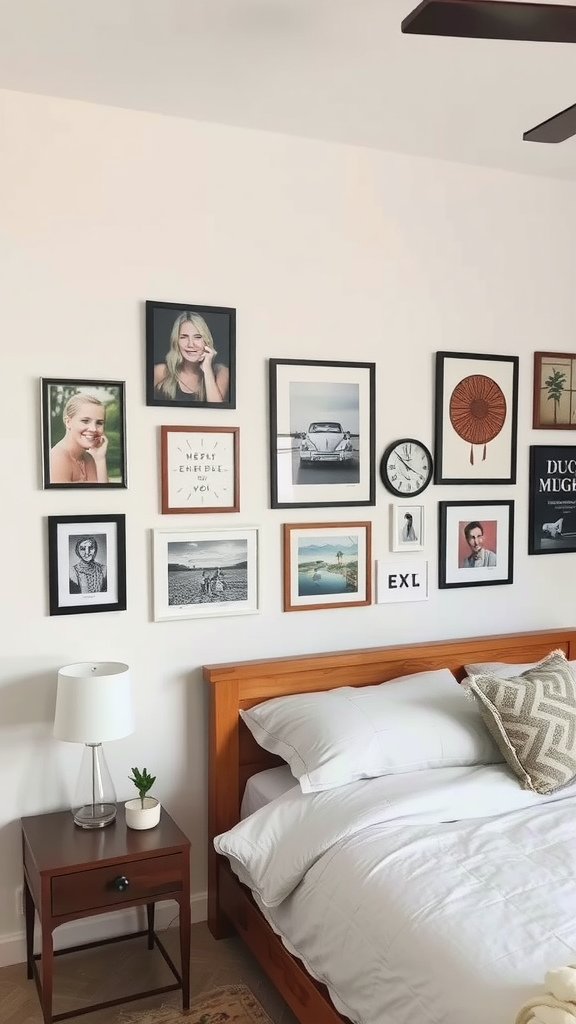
(93, 706)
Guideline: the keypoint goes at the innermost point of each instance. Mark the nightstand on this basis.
(72, 873)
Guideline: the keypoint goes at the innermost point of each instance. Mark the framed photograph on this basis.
(407, 527)
(321, 433)
(83, 433)
(552, 499)
(476, 414)
(327, 565)
(202, 573)
(554, 391)
(86, 564)
(476, 543)
(190, 355)
(200, 469)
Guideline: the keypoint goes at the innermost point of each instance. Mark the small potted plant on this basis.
(144, 811)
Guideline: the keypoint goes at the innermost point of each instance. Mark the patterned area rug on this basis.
(233, 1004)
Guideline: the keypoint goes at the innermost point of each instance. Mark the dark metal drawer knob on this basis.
(121, 883)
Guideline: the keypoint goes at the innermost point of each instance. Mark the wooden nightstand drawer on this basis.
(105, 887)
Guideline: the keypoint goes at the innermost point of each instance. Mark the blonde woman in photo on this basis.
(80, 457)
(190, 371)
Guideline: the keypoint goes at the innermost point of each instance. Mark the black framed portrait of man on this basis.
(190, 355)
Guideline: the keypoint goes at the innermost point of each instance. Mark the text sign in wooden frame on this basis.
(200, 469)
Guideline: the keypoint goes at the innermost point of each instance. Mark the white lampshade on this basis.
(93, 702)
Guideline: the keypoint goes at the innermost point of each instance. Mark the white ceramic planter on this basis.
(142, 817)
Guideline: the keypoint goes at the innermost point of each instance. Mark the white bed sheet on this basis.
(442, 897)
(264, 787)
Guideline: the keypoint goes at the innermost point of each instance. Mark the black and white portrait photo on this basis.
(86, 564)
(407, 527)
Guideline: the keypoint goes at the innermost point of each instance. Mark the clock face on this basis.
(406, 467)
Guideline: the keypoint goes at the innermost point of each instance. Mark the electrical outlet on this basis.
(20, 900)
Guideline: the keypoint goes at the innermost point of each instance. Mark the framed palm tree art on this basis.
(554, 391)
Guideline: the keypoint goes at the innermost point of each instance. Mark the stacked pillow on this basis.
(333, 737)
(531, 713)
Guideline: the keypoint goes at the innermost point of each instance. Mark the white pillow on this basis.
(503, 668)
(334, 737)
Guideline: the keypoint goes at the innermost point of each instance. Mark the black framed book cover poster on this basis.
(552, 504)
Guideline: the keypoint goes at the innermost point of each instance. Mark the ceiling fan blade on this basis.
(558, 128)
(493, 19)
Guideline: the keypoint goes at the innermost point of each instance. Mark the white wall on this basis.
(327, 252)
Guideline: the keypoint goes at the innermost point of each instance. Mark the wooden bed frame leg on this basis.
(218, 922)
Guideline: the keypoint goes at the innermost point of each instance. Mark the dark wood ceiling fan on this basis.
(500, 19)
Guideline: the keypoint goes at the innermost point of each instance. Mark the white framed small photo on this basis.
(407, 527)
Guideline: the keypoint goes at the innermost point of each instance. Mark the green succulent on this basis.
(143, 782)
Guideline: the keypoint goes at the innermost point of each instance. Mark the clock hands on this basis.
(408, 466)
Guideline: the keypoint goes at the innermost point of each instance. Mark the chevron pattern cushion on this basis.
(532, 717)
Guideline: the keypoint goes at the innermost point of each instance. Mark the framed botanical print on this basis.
(554, 406)
(321, 433)
(200, 469)
(476, 543)
(327, 565)
(83, 433)
(87, 564)
(203, 573)
(552, 499)
(190, 355)
(476, 413)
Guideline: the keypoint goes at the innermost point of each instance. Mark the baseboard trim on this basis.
(101, 926)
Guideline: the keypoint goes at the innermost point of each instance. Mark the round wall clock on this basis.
(406, 467)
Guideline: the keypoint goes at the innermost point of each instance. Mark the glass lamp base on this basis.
(94, 815)
(94, 804)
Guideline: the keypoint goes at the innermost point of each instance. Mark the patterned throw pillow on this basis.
(532, 717)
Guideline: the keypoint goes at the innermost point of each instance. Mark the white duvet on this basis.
(440, 896)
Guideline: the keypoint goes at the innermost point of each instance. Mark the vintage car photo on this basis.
(325, 441)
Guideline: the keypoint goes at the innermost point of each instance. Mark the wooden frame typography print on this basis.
(476, 543)
(554, 406)
(476, 418)
(327, 565)
(200, 469)
(83, 433)
(87, 564)
(552, 499)
(321, 433)
(203, 573)
(190, 355)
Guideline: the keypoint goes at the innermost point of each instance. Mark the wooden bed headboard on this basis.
(234, 754)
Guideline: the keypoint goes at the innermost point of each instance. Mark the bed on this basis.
(235, 757)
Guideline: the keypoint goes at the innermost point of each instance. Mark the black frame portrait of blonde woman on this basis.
(190, 355)
(83, 433)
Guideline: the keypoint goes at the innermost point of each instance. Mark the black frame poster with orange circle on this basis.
(476, 418)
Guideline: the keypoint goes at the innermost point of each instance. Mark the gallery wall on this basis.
(326, 252)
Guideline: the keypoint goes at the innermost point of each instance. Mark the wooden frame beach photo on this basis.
(327, 565)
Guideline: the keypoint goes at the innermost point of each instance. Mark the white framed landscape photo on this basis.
(203, 573)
